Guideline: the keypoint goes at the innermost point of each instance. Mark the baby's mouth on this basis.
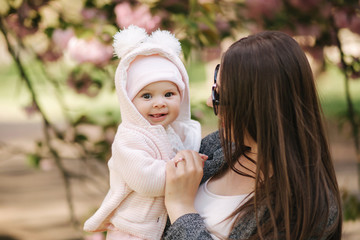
(157, 115)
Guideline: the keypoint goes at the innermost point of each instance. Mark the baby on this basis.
(153, 91)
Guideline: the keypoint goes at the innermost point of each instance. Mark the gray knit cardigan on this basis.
(191, 226)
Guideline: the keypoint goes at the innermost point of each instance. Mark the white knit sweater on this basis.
(135, 201)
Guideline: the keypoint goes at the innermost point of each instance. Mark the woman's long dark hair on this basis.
(267, 90)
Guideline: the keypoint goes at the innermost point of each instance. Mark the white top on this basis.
(175, 141)
(215, 209)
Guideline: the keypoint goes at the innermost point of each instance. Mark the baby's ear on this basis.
(166, 38)
(128, 39)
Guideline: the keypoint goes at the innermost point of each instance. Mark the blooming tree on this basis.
(317, 25)
(71, 42)
(76, 37)
(320, 23)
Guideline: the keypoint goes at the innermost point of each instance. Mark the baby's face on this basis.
(158, 102)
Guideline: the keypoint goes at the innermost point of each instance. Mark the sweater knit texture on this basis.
(135, 201)
(192, 226)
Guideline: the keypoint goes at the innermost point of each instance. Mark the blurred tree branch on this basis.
(48, 127)
(352, 115)
(79, 37)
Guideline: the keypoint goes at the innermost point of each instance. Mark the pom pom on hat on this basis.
(149, 69)
(128, 39)
(132, 37)
(166, 38)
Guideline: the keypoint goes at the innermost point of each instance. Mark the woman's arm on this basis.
(182, 181)
(189, 226)
(187, 223)
(211, 147)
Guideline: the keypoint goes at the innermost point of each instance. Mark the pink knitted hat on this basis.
(148, 69)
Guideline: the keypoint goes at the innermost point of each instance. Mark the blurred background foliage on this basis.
(62, 64)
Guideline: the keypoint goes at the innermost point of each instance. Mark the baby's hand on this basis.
(176, 159)
(203, 156)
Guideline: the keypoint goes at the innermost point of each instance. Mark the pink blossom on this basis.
(51, 54)
(89, 14)
(325, 10)
(83, 84)
(259, 8)
(31, 109)
(80, 84)
(92, 51)
(355, 24)
(316, 52)
(17, 25)
(205, 1)
(309, 30)
(203, 26)
(123, 14)
(46, 164)
(140, 16)
(62, 37)
(341, 18)
(221, 24)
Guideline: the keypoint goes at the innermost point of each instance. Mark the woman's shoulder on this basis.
(210, 143)
(211, 146)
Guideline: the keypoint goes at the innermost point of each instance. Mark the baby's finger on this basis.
(203, 156)
(198, 161)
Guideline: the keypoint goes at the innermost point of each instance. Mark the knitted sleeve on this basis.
(137, 160)
(192, 226)
(189, 226)
(211, 146)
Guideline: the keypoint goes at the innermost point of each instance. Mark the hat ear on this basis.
(128, 39)
(166, 38)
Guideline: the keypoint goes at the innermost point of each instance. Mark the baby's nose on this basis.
(159, 102)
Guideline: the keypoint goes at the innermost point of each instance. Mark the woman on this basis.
(270, 159)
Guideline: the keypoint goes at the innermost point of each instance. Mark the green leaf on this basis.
(80, 138)
(33, 159)
(49, 31)
(186, 47)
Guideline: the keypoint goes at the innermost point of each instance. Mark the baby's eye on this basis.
(169, 94)
(146, 95)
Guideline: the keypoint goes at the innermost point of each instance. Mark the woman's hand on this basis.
(183, 176)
